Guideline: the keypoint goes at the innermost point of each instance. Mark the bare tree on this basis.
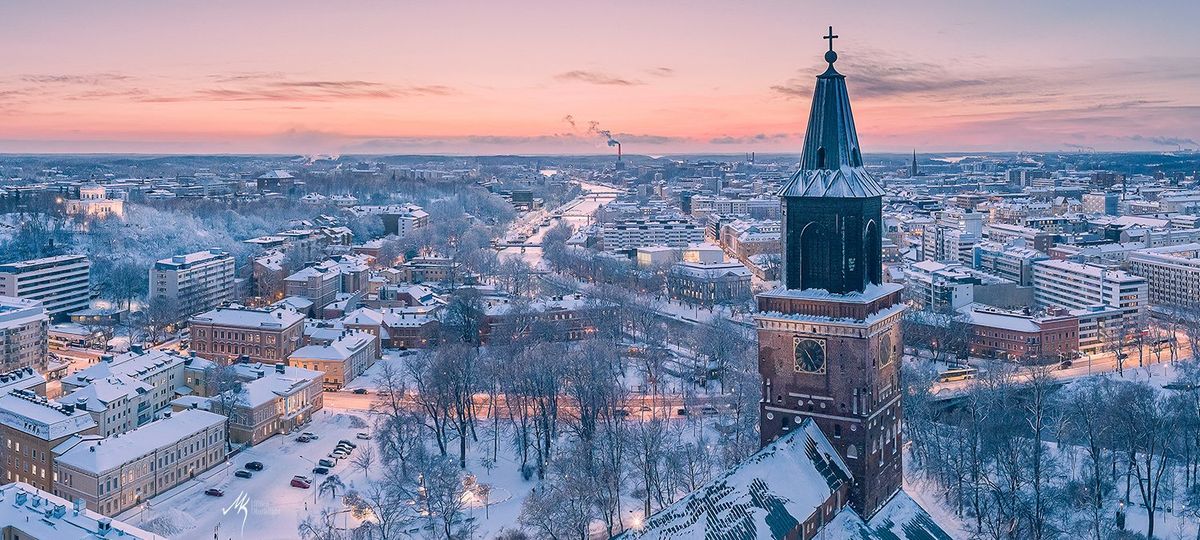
(229, 397)
(1145, 426)
(322, 527)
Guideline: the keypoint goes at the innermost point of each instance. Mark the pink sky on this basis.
(664, 77)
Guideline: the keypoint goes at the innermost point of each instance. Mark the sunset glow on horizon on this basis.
(664, 77)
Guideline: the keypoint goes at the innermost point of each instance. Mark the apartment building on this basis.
(641, 232)
(24, 330)
(1012, 261)
(116, 403)
(263, 335)
(58, 518)
(30, 426)
(193, 282)
(1172, 274)
(62, 284)
(952, 237)
(162, 373)
(1077, 286)
(341, 359)
(114, 474)
(319, 283)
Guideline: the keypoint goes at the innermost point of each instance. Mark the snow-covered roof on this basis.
(766, 496)
(43, 515)
(137, 365)
(97, 395)
(250, 318)
(345, 346)
(46, 419)
(104, 455)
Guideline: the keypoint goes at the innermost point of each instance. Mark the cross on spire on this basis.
(831, 37)
(831, 56)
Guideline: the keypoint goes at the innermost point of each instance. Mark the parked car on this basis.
(243, 474)
(303, 438)
(347, 443)
(320, 470)
(708, 409)
(255, 466)
(681, 411)
(214, 492)
(360, 390)
(338, 454)
(362, 436)
(327, 463)
(645, 408)
(301, 482)
(310, 435)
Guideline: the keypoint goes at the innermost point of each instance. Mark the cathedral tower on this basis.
(829, 338)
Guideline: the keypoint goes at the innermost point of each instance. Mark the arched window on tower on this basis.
(852, 452)
(821, 157)
(872, 253)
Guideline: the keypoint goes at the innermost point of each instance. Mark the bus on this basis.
(957, 374)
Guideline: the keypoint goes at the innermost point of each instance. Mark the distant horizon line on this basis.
(626, 156)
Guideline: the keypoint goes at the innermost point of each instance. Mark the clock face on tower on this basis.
(885, 350)
(810, 355)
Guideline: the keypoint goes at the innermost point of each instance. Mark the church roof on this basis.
(766, 496)
(831, 165)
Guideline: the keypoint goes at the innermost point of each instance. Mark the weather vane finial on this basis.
(831, 56)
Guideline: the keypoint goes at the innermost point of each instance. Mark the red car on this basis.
(214, 492)
(301, 482)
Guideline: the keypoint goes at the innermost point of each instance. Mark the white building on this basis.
(193, 282)
(1077, 286)
(640, 232)
(23, 334)
(63, 283)
(94, 201)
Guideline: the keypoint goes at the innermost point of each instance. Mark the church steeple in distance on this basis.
(832, 207)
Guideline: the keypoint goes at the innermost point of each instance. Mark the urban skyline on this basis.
(486, 79)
